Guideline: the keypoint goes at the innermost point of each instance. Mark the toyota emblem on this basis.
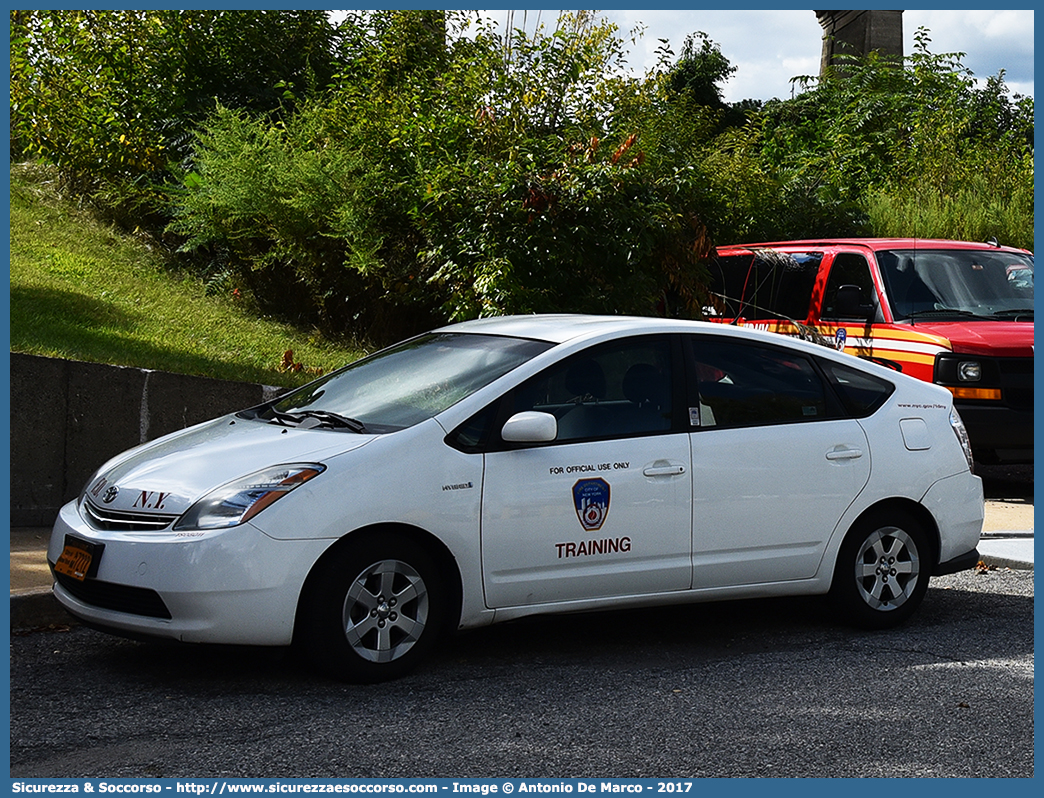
(110, 494)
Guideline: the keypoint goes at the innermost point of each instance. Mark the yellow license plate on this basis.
(75, 560)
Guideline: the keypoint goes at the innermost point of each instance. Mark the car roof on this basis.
(873, 244)
(574, 327)
(556, 327)
(574, 331)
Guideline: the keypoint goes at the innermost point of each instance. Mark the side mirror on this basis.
(530, 426)
(850, 303)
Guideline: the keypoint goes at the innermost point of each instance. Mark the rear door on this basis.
(775, 463)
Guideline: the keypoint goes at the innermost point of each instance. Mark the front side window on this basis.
(742, 384)
(404, 385)
(943, 284)
(849, 268)
(615, 390)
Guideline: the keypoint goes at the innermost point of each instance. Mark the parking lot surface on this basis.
(752, 688)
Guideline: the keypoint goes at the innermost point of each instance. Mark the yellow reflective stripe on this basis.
(902, 346)
(889, 334)
(903, 357)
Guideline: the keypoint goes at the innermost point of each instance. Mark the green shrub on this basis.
(906, 147)
(113, 97)
(461, 185)
(390, 174)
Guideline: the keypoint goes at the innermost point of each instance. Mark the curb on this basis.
(1004, 562)
(1001, 561)
(36, 608)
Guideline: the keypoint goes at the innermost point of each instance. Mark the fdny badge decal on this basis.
(840, 339)
(591, 499)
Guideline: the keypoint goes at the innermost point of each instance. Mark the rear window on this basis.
(763, 284)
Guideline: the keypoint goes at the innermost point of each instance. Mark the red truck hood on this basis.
(996, 338)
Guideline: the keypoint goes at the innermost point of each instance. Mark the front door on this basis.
(604, 510)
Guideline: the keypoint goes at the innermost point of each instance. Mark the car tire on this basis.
(373, 609)
(882, 571)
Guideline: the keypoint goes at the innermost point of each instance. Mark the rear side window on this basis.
(728, 275)
(765, 284)
(742, 384)
(860, 393)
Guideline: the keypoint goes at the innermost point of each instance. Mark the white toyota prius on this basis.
(511, 466)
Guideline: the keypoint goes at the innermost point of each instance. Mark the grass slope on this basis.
(82, 291)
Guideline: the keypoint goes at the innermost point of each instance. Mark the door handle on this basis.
(663, 470)
(844, 454)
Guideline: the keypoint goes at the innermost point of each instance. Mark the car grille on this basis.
(119, 598)
(121, 521)
(1016, 375)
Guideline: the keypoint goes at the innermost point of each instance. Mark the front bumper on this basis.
(235, 586)
(998, 434)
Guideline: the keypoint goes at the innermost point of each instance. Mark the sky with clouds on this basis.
(769, 47)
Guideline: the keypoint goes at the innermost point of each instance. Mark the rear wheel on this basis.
(882, 571)
(373, 610)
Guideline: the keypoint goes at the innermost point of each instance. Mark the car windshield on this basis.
(941, 284)
(403, 385)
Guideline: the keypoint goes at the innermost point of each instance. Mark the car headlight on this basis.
(969, 371)
(968, 378)
(962, 435)
(240, 500)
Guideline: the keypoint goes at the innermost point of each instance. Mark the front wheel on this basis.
(373, 609)
(882, 571)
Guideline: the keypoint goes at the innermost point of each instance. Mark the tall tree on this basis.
(700, 71)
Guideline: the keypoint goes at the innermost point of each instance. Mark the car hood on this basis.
(986, 338)
(166, 476)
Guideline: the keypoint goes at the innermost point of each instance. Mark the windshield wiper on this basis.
(335, 419)
(285, 419)
(325, 417)
(1013, 312)
(932, 312)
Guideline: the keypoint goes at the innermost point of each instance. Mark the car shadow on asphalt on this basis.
(669, 637)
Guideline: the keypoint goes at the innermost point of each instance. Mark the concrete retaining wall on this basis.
(67, 418)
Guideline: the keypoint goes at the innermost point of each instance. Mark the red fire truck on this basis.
(954, 313)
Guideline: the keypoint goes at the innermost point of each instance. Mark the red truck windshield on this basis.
(947, 283)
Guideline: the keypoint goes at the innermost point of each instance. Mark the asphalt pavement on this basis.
(755, 688)
(34, 606)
